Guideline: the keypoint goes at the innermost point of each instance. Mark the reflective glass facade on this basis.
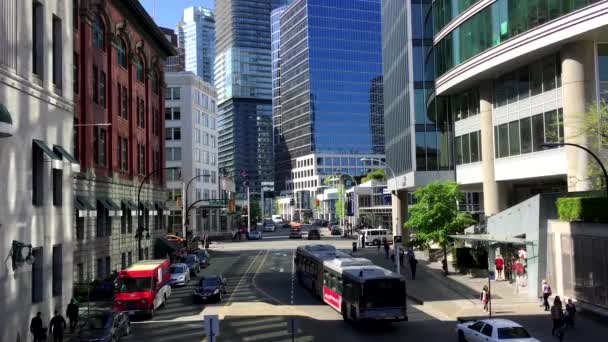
(602, 63)
(445, 11)
(496, 23)
(196, 33)
(282, 171)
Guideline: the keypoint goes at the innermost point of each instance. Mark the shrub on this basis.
(587, 209)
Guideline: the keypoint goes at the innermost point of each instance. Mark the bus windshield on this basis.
(383, 293)
(134, 284)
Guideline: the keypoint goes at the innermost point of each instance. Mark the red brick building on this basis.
(119, 56)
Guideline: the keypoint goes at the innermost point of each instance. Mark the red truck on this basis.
(143, 287)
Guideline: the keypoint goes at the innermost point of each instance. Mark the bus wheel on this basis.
(344, 314)
(376, 242)
(461, 336)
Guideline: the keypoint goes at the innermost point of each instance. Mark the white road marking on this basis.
(281, 269)
(243, 277)
(293, 266)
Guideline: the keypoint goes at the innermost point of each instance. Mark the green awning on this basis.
(83, 202)
(60, 151)
(130, 205)
(6, 122)
(150, 207)
(55, 160)
(111, 206)
(492, 238)
(163, 208)
(80, 208)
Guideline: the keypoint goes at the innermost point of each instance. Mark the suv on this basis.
(314, 234)
(191, 260)
(336, 230)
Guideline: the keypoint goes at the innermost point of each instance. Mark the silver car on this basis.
(255, 235)
(180, 274)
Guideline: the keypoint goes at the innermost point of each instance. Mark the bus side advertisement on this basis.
(332, 298)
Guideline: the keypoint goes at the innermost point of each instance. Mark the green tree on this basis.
(596, 128)
(436, 216)
(377, 174)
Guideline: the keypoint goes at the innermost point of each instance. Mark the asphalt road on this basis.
(264, 302)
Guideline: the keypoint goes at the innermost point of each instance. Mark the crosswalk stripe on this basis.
(268, 335)
(262, 327)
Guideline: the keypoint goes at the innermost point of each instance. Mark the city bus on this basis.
(364, 292)
(309, 265)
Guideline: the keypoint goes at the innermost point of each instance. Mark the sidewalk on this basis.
(455, 296)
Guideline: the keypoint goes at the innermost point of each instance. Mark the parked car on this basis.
(317, 222)
(269, 226)
(104, 326)
(210, 288)
(492, 330)
(314, 234)
(180, 274)
(295, 234)
(255, 235)
(193, 264)
(336, 230)
(203, 258)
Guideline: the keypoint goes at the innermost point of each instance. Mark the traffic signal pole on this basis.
(248, 211)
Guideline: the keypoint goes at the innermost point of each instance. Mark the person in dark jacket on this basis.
(570, 313)
(37, 329)
(386, 247)
(413, 263)
(57, 327)
(72, 313)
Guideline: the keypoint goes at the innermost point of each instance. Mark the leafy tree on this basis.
(378, 174)
(340, 203)
(595, 127)
(436, 216)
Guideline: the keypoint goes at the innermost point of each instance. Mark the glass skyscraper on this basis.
(243, 79)
(196, 37)
(330, 84)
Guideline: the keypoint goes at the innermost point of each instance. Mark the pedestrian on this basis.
(413, 263)
(485, 297)
(386, 247)
(570, 313)
(444, 266)
(57, 327)
(499, 262)
(557, 315)
(401, 255)
(362, 241)
(378, 246)
(546, 294)
(72, 313)
(37, 329)
(508, 271)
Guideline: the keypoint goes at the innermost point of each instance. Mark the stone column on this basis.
(578, 90)
(398, 212)
(491, 196)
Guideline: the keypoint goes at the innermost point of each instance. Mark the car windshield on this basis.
(177, 269)
(210, 282)
(512, 333)
(134, 284)
(99, 322)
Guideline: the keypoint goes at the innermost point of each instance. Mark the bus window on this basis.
(374, 232)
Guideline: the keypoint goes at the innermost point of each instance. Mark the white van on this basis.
(375, 236)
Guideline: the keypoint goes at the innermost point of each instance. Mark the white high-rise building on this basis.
(36, 144)
(191, 146)
(196, 36)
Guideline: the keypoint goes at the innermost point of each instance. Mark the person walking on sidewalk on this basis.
(413, 263)
(499, 262)
(386, 247)
(37, 329)
(546, 294)
(485, 297)
(57, 327)
(557, 315)
(72, 313)
(570, 313)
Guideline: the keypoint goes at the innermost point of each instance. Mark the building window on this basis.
(57, 187)
(75, 74)
(99, 271)
(125, 103)
(154, 81)
(141, 113)
(57, 270)
(57, 53)
(38, 39)
(79, 228)
(123, 156)
(108, 267)
(95, 84)
(102, 89)
(38, 275)
(139, 69)
(102, 147)
(173, 113)
(75, 19)
(173, 133)
(173, 93)
(121, 53)
(142, 159)
(37, 176)
(123, 261)
(80, 273)
(602, 63)
(99, 37)
(173, 153)
(130, 258)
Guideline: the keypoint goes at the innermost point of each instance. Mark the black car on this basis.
(314, 234)
(295, 234)
(193, 264)
(203, 258)
(210, 288)
(104, 326)
(336, 230)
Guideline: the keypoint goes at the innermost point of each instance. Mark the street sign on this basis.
(212, 327)
(491, 275)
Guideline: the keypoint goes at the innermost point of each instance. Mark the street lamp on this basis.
(396, 230)
(185, 217)
(550, 145)
(339, 178)
(140, 227)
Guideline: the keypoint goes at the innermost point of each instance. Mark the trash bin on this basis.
(354, 246)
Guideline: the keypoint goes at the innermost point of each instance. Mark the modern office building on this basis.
(119, 136)
(243, 79)
(330, 76)
(196, 38)
(191, 150)
(281, 170)
(177, 62)
(36, 132)
(418, 134)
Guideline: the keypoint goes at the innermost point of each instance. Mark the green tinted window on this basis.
(446, 10)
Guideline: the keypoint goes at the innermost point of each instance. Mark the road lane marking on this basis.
(293, 266)
(243, 276)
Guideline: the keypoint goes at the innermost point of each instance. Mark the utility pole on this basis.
(184, 209)
(248, 211)
(262, 205)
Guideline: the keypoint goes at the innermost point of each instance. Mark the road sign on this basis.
(491, 275)
(212, 327)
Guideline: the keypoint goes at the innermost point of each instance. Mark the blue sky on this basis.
(167, 13)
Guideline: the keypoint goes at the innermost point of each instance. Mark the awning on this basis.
(55, 160)
(6, 123)
(83, 202)
(111, 206)
(150, 207)
(492, 238)
(60, 151)
(130, 205)
(162, 207)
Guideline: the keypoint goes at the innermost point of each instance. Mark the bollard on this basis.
(354, 247)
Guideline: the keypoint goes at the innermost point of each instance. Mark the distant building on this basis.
(243, 79)
(191, 148)
(38, 165)
(119, 136)
(330, 75)
(174, 63)
(196, 38)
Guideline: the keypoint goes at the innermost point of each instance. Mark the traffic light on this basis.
(317, 203)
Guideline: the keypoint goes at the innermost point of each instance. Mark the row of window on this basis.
(468, 148)
(444, 11)
(527, 135)
(38, 48)
(205, 138)
(103, 222)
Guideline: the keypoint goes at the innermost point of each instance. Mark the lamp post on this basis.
(339, 176)
(186, 218)
(140, 211)
(396, 230)
(549, 145)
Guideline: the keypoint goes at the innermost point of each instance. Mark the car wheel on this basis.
(376, 242)
(461, 336)
(164, 300)
(128, 330)
(344, 314)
